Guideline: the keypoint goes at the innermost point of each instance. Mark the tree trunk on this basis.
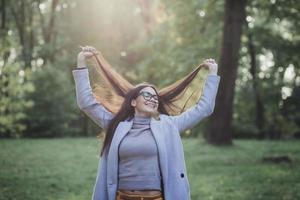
(259, 106)
(48, 31)
(23, 14)
(220, 130)
(4, 77)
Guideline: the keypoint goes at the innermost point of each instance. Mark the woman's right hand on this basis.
(86, 53)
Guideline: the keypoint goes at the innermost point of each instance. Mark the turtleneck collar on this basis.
(141, 119)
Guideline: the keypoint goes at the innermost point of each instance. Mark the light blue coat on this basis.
(166, 132)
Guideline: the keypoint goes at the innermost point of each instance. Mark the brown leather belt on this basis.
(125, 196)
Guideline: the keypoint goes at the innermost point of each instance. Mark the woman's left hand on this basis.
(211, 65)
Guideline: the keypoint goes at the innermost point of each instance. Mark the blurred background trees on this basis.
(154, 41)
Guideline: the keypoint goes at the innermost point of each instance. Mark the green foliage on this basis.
(54, 109)
(274, 27)
(188, 34)
(13, 90)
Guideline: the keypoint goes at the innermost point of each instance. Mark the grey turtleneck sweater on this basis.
(138, 158)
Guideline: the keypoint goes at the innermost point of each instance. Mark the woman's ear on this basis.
(133, 102)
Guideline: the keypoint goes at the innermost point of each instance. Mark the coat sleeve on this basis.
(203, 108)
(86, 100)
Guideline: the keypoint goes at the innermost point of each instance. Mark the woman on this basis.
(142, 154)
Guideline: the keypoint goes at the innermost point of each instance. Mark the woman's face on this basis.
(146, 103)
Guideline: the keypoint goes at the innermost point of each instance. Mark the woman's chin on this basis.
(150, 111)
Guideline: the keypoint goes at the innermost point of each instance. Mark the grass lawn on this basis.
(65, 169)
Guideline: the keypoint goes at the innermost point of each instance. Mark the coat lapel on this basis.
(112, 158)
(156, 128)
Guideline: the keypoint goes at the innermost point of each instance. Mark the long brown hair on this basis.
(115, 93)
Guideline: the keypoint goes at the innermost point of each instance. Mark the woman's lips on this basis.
(153, 105)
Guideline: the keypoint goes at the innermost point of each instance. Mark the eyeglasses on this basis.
(147, 96)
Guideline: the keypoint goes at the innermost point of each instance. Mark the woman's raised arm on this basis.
(84, 96)
(205, 106)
